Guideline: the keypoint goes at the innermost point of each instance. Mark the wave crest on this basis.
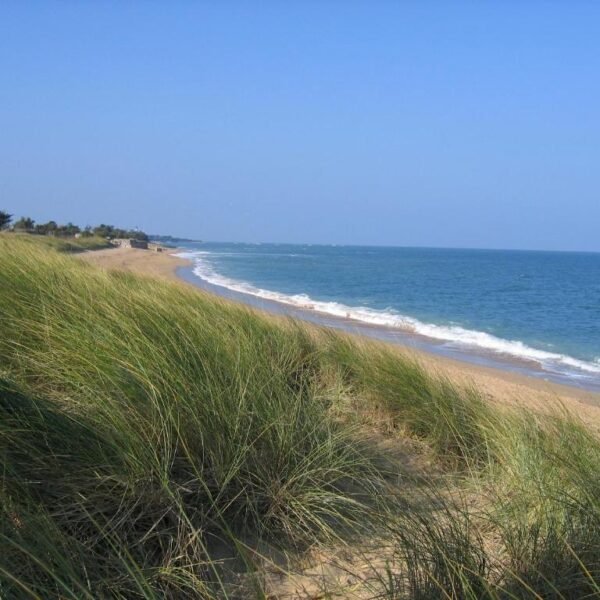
(451, 335)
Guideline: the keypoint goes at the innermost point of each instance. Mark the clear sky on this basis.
(461, 124)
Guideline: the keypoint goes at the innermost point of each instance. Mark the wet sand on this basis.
(498, 386)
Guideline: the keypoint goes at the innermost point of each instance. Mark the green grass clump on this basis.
(550, 518)
(145, 417)
(529, 529)
(154, 440)
(453, 421)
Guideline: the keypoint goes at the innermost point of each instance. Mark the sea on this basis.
(532, 312)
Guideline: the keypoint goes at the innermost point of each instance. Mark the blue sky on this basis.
(461, 124)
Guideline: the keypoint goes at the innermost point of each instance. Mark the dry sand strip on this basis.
(143, 262)
(498, 386)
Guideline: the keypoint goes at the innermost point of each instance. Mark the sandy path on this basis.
(497, 385)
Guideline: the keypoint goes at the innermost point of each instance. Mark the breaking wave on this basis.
(450, 334)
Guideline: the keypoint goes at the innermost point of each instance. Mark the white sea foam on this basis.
(451, 335)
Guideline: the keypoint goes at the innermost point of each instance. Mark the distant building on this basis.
(131, 243)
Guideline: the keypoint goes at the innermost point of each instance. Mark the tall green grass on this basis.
(525, 526)
(144, 417)
(154, 440)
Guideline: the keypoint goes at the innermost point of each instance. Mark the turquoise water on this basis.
(540, 307)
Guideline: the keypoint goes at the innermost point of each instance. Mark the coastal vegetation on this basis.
(52, 228)
(5, 219)
(170, 239)
(61, 244)
(158, 442)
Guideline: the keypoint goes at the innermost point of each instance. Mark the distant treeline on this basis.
(170, 238)
(28, 225)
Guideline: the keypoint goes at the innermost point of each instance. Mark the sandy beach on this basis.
(498, 386)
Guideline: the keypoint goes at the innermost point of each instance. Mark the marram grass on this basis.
(154, 439)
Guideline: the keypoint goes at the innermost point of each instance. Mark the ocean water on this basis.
(538, 309)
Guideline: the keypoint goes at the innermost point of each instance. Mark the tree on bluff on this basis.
(48, 228)
(28, 225)
(5, 219)
(24, 224)
(109, 231)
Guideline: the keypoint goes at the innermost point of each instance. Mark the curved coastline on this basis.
(502, 383)
(473, 347)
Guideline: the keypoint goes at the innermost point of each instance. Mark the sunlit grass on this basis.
(151, 436)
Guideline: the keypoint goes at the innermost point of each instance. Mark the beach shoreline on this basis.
(503, 386)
